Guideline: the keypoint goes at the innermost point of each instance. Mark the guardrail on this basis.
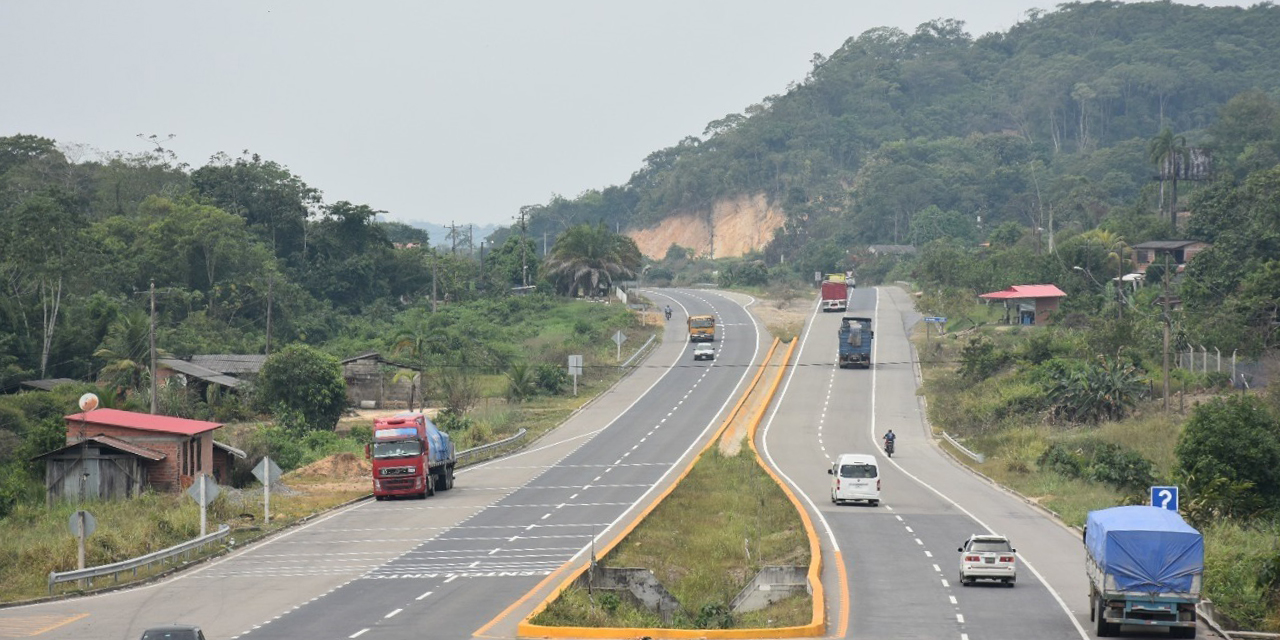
(184, 549)
(638, 352)
(491, 450)
(977, 457)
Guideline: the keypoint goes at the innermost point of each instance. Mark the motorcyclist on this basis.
(889, 438)
(668, 312)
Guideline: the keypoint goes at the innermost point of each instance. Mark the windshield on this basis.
(989, 546)
(397, 449)
(702, 323)
(857, 471)
(171, 634)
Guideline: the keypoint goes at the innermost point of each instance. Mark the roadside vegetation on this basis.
(705, 542)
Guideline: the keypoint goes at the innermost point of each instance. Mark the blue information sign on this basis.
(1165, 498)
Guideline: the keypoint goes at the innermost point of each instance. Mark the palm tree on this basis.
(586, 259)
(1165, 152)
(125, 349)
(1119, 254)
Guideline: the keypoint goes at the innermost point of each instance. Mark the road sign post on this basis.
(82, 524)
(267, 473)
(204, 493)
(1165, 498)
(575, 370)
(618, 339)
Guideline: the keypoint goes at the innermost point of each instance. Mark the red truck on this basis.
(411, 457)
(835, 295)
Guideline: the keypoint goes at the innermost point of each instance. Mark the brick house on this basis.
(121, 453)
(1034, 302)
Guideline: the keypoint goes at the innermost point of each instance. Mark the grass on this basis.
(1239, 557)
(725, 521)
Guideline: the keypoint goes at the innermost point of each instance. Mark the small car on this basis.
(704, 351)
(174, 632)
(988, 557)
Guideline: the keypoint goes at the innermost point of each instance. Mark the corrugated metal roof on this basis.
(232, 450)
(365, 355)
(143, 421)
(1166, 244)
(1019, 291)
(197, 371)
(113, 443)
(230, 363)
(47, 384)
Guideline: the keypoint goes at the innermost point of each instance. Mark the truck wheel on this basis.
(448, 482)
(1104, 629)
(1182, 632)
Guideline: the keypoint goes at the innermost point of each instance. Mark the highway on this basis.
(450, 565)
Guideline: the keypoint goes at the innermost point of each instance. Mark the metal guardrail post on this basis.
(977, 457)
(114, 569)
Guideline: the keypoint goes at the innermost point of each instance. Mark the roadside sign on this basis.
(1165, 498)
(206, 497)
(267, 471)
(619, 338)
(936, 320)
(575, 365)
(90, 524)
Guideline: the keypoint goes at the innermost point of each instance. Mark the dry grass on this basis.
(705, 542)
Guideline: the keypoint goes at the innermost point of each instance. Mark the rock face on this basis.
(741, 224)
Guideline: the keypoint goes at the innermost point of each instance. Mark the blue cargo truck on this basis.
(855, 342)
(1145, 565)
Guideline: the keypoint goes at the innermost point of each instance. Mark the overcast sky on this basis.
(458, 111)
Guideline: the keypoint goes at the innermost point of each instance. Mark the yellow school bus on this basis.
(702, 328)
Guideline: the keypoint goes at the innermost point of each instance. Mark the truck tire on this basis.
(1182, 632)
(1104, 629)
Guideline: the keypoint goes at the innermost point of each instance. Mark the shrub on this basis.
(1232, 442)
(306, 381)
(1059, 458)
(551, 378)
(1120, 467)
(981, 359)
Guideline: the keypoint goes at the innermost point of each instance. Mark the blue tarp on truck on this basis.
(1145, 549)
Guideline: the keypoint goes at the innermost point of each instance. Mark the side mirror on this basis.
(367, 452)
(1013, 551)
(831, 472)
(961, 549)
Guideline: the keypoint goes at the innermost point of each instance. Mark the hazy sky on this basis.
(438, 111)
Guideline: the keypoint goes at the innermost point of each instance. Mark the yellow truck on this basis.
(702, 328)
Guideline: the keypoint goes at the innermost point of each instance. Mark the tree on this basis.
(1229, 452)
(1168, 152)
(586, 259)
(303, 386)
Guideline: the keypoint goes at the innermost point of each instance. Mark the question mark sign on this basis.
(1165, 496)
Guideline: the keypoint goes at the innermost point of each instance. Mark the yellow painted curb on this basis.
(814, 628)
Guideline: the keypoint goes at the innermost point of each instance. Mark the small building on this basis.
(891, 250)
(1180, 253)
(1033, 302)
(372, 383)
(189, 373)
(242, 366)
(118, 454)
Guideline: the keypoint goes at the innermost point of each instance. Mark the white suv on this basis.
(984, 557)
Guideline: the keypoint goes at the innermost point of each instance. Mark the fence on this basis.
(162, 556)
(1244, 374)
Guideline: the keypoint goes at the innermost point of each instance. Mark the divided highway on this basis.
(447, 566)
(900, 562)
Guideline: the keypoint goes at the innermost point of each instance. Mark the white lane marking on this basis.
(597, 479)
(964, 636)
(953, 600)
(919, 542)
(392, 614)
(928, 554)
(450, 579)
(938, 569)
(875, 347)
(424, 595)
(960, 618)
(945, 583)
(354, 635)
(545, 517)
(571, 497)
(909, 530)
(495, 551)
(898, 517)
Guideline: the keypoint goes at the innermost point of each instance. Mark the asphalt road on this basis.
(900, 563)
(448, 566)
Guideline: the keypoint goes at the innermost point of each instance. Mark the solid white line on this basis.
(392, 614)
(358, 633)
(875, 346)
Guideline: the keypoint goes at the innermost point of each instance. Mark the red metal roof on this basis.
(143, 421)
(1019, 291)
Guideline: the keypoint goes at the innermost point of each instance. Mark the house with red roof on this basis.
(119, 454)
(1033, 302)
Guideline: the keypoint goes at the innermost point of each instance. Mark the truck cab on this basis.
(410, 457)
(702, 328)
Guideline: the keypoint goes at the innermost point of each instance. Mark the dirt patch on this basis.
(741, 225)
(784, 318)
(342, 466)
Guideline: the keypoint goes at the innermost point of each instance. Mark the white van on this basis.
(855, 476)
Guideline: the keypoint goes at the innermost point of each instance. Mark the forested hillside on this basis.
(1055, 115)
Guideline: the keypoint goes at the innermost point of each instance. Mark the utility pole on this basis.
(270, 283)
(524, 264)
(154, 386)
(1120, 285)
(1165, 299)
(434, 261)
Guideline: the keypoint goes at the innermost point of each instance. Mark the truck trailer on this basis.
(835, 295)
(855, 342)
(411, 457)
(1145, 566)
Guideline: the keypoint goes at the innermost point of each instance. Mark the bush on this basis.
(1060, 459)
(1099, 461)
(1229, 446)
(307, 382)
(980, 359)
(551, 379)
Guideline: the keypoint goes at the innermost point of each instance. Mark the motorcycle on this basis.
(888, 448)
(668, 313)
